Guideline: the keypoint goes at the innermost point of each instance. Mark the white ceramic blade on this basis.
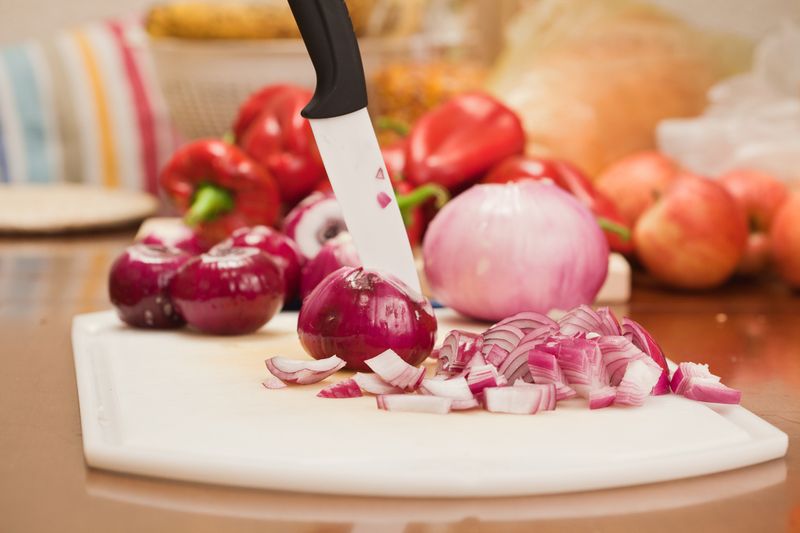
(361, 183)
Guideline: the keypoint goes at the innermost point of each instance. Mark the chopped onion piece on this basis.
(544, 368)
(640, 338)
(549, 398)
(395, 371)
(499, 341)
(481, 377)
(414, 403)
(618, 352)
(342, 389)
(686, 371)
(581, 320)
(374, 384)
(580, 360)
(525, 400)
(708, 390)
(273, 383)
(457, 349)
(455, 388)
(602, 397)
(301, 371)
(640, 377)
(464, 405)
(609, 322)
(528, 321)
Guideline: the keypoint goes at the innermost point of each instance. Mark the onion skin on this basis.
(334, 254)
(138, 286)
(280, 247)
(229, 291)
(497, 250)
(357, 314)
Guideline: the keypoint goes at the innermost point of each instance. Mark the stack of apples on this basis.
(695, 232)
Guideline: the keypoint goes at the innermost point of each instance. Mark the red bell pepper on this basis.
(270, 129)
(456, 143)
(220, 189)
(394, 157)
(572, 180)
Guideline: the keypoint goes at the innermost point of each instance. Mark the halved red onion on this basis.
(617, 352)
(602, 397)
(482, 377)
(583, 319)
(706, 390)
(514, 400)
(273, 383)
(374, 384)
(499, 341)
(685, 371)
(395, 371)
(318, 218)
(528, 321)
(303, 372)
(341, 389)
(455, 388)
(414, 403)
(640, 377)
(458, 349)
(642, 339)
(544, 368)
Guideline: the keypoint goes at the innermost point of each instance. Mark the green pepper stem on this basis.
(420, 195)
(398, 126)
(209, 202)
(229, 137)
(614, 227)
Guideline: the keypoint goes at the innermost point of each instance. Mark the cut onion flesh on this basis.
(708, 390)
(602, 397)
(640, 377)
(414, 403)
(395, 371)
(455, 388)
(640, 338)
(544, 369)
(273, 383)
(482, 377)
(617, 353)
(528, 321)
(685, 371)
(301, 371)
(341, 389)
(499, 341)
(581, 320)
(374, 384)
(458, 348)
(525, 400)
(464, 405)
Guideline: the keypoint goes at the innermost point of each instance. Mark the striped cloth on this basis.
(83, 106)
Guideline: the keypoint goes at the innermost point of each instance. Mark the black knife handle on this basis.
(331, 43)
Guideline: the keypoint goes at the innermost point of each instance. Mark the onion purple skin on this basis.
(189, 243)
(228, 291)
(500, 249)
(357, 314)
(138, 286)
(334, 254)
(280, 247)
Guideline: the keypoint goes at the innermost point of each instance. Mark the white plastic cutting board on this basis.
(186, 406)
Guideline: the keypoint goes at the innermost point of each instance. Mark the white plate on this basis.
(185, 406)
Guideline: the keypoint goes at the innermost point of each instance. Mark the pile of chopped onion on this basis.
(524, 364)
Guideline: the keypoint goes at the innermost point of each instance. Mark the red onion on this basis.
(229, 291)
(544, 369)
(341, 389)
(639, 379)
(414, 403)
(482, 377)
(334, 254)
(312, 222)
(528, 321)
(456, 388)
(138, 286)
(497, 250)
(583, 320)
(527, 400)
(618, 352)
(374, 384)
(178, 236)
(710, 391)
(602, 397)
(279, 247)
(686, 371)
(303, 372)
(273, 383)
(357, 314)
(640, 338)
(395, 371)
(458, 349)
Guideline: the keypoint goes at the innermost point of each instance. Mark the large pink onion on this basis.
(357, 314)
(497, 250)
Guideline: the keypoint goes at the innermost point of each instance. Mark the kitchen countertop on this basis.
(749, 332)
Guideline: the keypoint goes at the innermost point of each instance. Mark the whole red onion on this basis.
(278, 246)
(497, 250)
(334, 254)
(228, 291)
(177, 236)
(357, 314)
(138, 283)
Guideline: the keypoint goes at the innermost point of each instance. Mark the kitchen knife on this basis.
(347, 143)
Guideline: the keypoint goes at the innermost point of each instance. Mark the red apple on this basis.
(694, 236)
(785, 240)
(759, 195)
(635, 182)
